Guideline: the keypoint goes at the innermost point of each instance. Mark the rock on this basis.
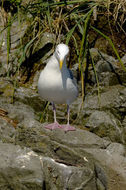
(124, 121)
(122, 74)
(74, 70)
(42, 50)
(111, 99)
(102, 44)
(17, 31)
(116, 148)
(100, 185)
(64, 156)
(95, 54)
(7, 130)
(101, 177)
(32, 134)
(124, 59)
(20, 112)
(60, 176)
(106, 78)
(124, 135)
(109, 79)
(2, 70)
(104, 59)
(124, 129)
(7, 89)
(109, 70)
(35, 80)
(105, 125)
(105, 66)
(20, 168)
(62, 148)
(29, 97)
(113, 176)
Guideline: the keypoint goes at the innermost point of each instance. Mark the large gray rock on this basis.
(66, 148)
(20, 168)
(23, 169)
(76, 148)
(116, 148)
(112, 170)
(30, 98)
(58, 176)
(111, 100)
(105, 125)
(109, 79)
(7, 130)
(16, 33)
(64, 156)
(65, 165)
(99, 55)
(109, 70)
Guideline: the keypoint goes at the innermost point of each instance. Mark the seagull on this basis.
(57, 85)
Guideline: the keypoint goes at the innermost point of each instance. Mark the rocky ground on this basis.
(90, 158)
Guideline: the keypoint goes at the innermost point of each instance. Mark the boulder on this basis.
(105, 125)
(20, 168)
(60, 176)
(109, 70)
(111, 100)
(15, 33)
(63, 156)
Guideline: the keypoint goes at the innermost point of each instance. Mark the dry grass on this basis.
(116, 9)
(119, 10)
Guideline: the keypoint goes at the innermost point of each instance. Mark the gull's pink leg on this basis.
(68, 127)
(54, 125)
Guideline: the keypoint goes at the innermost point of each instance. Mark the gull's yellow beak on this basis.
(61, 64)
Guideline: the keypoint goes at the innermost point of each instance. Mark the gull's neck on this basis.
(53, 64)
(64, 64)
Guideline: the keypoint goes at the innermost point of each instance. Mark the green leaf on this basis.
(69, 34)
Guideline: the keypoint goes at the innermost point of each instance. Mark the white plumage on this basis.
(56, 83)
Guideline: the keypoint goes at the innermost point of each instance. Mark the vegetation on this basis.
(71, 21)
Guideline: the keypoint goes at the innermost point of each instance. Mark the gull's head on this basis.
(61, 52)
